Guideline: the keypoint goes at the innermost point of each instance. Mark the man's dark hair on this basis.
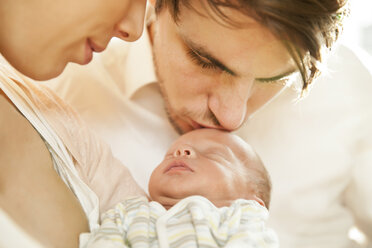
(304, 26)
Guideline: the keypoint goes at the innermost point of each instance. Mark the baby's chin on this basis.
(218, 204)
(228, 202)
(222, 202)
(168, 202)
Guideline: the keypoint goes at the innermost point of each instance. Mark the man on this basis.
(213, 73)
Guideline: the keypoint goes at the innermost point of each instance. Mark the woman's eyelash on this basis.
(199, 61)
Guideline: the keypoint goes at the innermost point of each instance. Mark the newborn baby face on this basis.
(205, 162)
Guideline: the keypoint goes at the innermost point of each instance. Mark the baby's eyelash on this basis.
(199, 61)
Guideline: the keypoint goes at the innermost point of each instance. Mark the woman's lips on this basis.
(177, 166)
(88, 53)
(91, 47)
(95, 47)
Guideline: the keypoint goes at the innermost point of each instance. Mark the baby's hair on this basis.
(259, 181)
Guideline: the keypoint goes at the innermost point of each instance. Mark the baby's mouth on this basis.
(178, 166)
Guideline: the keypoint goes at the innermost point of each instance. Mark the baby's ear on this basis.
(259, 200)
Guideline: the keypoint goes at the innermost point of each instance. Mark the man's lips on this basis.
(178, 165)
(197, 125)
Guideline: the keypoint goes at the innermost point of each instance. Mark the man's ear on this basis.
(152, 2)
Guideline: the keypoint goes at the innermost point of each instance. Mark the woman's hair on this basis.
(307, 28)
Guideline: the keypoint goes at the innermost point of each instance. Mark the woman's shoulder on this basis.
(20, 143)
(13, 126)
(31, 191)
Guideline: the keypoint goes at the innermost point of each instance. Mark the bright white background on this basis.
(358, 29)
(358, 32)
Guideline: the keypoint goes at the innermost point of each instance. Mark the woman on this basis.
(38, 38)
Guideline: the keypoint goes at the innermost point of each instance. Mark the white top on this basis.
(57, 124)
(74, 149)
(318, 151)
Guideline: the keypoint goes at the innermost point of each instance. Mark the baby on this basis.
(211, 190)
(215, 164)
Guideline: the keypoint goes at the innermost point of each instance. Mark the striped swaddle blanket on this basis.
(192, 222)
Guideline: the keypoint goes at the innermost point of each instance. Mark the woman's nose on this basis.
(130, 27)
(187, 152)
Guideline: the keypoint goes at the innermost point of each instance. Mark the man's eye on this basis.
(196, 58)
(280, 82)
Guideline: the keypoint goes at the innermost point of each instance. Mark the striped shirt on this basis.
(192, 222)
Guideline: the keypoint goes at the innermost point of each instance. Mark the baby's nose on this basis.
(184, 152)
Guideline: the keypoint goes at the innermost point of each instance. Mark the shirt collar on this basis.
(139, 70)
(11, 72)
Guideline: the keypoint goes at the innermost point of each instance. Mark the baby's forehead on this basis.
(208, 133)
(213, 137)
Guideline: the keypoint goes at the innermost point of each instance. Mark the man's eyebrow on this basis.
(201, 51)
(277, 78)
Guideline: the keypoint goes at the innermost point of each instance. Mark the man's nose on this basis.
(184, 151)
(130, 26)
(229, 104)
